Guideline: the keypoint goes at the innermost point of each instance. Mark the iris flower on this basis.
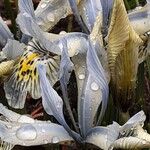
(46, 59)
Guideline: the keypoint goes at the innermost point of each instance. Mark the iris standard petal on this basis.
(5, 33)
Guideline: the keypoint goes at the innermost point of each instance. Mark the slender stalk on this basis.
(127, 4)
(66, 101)
(16, 4)
(148, 65)
(123, 117)
(70, 20)
(137, 3)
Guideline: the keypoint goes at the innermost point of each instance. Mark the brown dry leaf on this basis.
(123, 45)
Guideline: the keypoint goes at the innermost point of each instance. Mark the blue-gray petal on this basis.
(13, 49)
(74, 7)
(140, 19)
(137, 119)
(5, 33)
(52, 102)
(103, 137)
(30, 134)
(26, 6)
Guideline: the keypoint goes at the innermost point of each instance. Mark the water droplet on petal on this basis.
(143, 142)
(43, 5)
(55, 139)
(23, 144)
(45, 141)
(58, 105)
(81, 76)
(62, 32)
(142, 124)
(76, 52)
(60, 46)
(9, 126)
(145, 131)
(25, 119)
(26, 132)
(122, 132)
(94, 86)
(51, 17)
(43, 130)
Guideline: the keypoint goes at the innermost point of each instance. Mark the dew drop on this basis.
(43, 130)
(45, 141)
(90, 108)
(76, 53)
(142, 124)
(143, 142)
(26, 132)
(122, 132)
(132, 128)
(9, 126)
(55, 139)
(94, 86)
(25, 119)
(23, 143)
(145, 131)
(62, 32)
(81, 76)
(93, 99)
(43, 5)
(58, 105)
(51, 17)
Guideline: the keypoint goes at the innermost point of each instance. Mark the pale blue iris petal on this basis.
(53, 106)
(29, 26)
(52, 102)
(5, 33)
(90, 101)
(140, 19)
(13, 49)
(90, 9)
(26, 6)
(31, 133)
(103, 137)
(74, 8)
(95, 90)
(15, 98)
(137, 119)
(96, 70)
(49, 41)
(48, 13)
(66, 65)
